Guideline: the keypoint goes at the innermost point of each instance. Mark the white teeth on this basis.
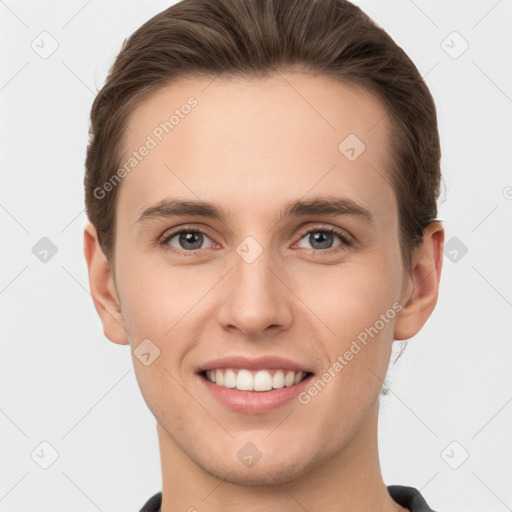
(244, 380)
(288, 380)
(230, 379)
(278, 379)
(262, 380)
(298, 377)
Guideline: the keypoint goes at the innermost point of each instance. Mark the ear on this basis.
(102, 287)
(421, 286)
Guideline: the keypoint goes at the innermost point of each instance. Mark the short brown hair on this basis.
(254, 38)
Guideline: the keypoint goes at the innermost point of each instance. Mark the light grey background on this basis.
(62, 382)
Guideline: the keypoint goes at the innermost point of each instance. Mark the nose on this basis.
(256, 299)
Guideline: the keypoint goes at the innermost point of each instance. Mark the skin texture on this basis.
(251, 146)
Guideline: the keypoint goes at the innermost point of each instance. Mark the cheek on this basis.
(161, 392)
(357, 303)
(153, 297)
(351, 297)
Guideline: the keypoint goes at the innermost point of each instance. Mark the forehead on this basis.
(252, 143)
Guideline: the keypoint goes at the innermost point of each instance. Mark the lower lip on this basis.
(254, 402)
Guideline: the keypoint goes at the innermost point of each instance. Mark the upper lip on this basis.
(258, 363)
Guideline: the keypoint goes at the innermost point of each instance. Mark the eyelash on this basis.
(345, 239)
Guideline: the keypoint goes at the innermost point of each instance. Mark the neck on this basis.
(350, 480)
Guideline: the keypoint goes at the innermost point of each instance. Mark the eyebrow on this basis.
(322, 205)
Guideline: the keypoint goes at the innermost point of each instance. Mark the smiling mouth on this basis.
(251, 380)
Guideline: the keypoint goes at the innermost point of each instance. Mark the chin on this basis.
(270, 473)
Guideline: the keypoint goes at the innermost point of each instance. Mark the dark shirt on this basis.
(408, 497)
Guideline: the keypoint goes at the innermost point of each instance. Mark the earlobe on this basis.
(422, 284)
(102, 288)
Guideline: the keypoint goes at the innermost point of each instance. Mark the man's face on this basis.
(254, 283)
